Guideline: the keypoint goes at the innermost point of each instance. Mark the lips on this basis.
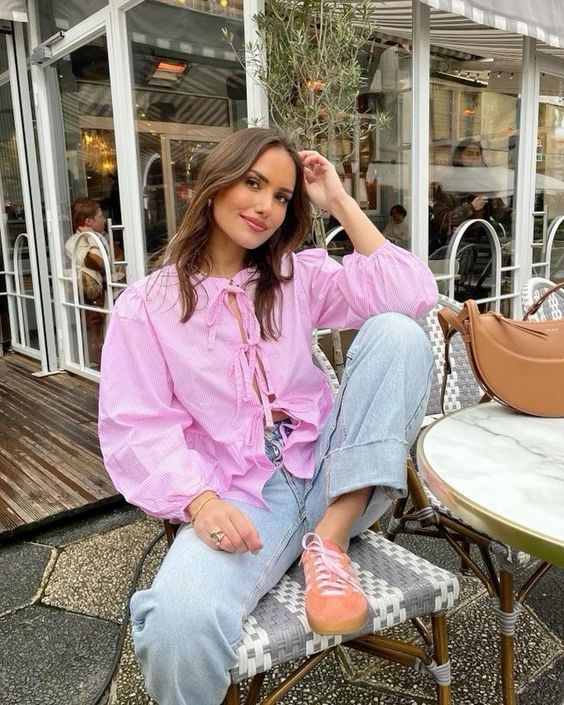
(258, 225)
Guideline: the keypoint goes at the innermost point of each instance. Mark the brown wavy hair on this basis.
(225, 165)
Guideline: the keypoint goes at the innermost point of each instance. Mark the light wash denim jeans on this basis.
(187, 626)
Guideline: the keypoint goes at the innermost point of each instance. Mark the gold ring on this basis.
(216, 536)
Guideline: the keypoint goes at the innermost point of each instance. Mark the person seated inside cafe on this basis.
(397, 228)
(88, 222)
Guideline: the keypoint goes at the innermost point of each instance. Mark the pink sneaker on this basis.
(334, 600)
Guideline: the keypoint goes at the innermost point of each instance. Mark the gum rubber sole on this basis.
(341, 628)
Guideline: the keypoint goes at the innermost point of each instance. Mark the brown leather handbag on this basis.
(517, 363)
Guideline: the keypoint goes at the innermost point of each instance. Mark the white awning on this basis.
(542, 19)
(492, 29)
(13, 10)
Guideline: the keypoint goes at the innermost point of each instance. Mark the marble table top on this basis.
(502, 472)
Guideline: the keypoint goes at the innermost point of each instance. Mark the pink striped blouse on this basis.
(179, 413)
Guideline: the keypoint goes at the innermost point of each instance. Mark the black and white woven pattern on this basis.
(552, 309)
(325, 366)
(462, 389)
(399, 585)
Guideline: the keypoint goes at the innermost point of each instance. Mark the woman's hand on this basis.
(222, 520)
(322, 182)
(479, 202)
(326, 191)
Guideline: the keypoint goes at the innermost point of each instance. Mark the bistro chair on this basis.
(551, 309)
(439, 261)
(400, 586)
(421, 513)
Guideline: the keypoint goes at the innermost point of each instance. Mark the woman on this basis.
(213, 415)
(452, 208)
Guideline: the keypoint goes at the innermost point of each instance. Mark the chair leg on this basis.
(232, 695)
(506, 604)
(397, 514)
(440, 649)
(532, 581)
(465, 568)
(253, 693)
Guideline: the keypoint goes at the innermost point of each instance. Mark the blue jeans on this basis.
(187, 626)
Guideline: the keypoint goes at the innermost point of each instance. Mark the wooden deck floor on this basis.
(50, 460)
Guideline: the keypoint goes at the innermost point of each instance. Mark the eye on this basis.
(283, 199)
(252, 182)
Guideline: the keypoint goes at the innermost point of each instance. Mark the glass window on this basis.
(55, 15)
(549, 201)
(14, 243)
(474, 114)
(377, 172)
(84, 84)
(190, 92)
(3, 55)
(82, 80)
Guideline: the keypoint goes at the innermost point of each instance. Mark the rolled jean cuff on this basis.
(375, 464)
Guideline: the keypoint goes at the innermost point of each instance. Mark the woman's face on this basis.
(471, 156)
(250, 211)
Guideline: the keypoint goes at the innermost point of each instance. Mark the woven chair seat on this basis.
(399, 586)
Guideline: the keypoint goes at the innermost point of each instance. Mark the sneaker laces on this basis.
(330, 576)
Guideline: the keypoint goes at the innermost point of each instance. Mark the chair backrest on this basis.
(440, 267)
(439, 263)
(466, 257)
(551, 309)
(325, 366)
(462, 389)
(440, 253)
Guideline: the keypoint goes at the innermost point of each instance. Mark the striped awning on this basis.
(492, 29)
(13, 10)
(542, 19)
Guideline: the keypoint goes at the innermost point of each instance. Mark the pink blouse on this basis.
(179, 413)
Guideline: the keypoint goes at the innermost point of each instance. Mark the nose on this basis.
(263, 202)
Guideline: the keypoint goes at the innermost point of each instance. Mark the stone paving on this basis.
(62, 597)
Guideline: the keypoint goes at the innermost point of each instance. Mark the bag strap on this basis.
(452, 323)
(533, 308)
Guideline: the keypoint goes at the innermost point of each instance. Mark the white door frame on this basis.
(34, 232)
(111, 22)
(554, 66)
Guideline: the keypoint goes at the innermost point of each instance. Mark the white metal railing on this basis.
(549, 236)
(77, 303)
(19, 297)
(497, 268)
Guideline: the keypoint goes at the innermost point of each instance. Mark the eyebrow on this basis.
(263, 178)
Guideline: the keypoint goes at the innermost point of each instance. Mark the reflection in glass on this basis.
(30, 324)
(188, 96)
(375, 167)
(473, 139)
(83, 81)
(549, 200)
(14, 246)
(55, 15)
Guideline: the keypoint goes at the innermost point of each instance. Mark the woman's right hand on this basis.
(479, 202)
(239, 532)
